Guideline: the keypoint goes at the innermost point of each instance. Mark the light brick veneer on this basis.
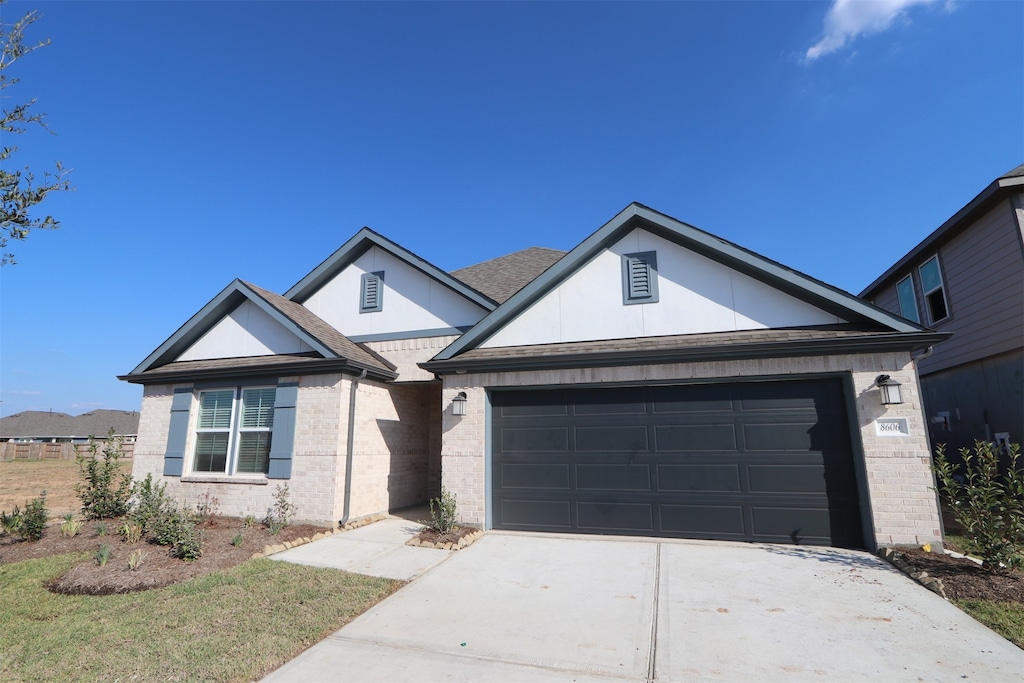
(902, 503)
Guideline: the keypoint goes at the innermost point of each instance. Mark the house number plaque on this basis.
(896, 426)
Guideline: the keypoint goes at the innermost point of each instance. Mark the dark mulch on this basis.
(158, 568)
(453, 536)
(964, 579)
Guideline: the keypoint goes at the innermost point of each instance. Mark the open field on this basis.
(23, 480)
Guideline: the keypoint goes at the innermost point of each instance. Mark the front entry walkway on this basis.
(524, 607)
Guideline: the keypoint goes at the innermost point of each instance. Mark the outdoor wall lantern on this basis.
(459, 404)
(891, 394)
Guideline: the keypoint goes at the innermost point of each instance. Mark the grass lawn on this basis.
(1005, 618)
(232, 626)
(23, 480)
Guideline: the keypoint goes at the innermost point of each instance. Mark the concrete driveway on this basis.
(523, 607)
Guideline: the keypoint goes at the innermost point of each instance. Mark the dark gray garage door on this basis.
(761, 461)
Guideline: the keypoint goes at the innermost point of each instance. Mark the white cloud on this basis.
(23, 393)
(848, 19)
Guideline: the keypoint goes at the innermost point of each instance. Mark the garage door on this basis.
(762, 461)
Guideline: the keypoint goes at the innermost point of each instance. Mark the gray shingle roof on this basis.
(38, 423)
(502, 277)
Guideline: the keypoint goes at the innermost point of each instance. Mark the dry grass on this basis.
(23, 480)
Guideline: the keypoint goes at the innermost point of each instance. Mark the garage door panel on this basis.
(615, 517)
(535, 476)
(527, 514)
(612, 477)
(782, 478)
(695, 437)
(611, 439)
(696, 477)
(532, 439)
(766, 461)
(703, 521)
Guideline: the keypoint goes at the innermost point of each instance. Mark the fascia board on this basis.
(313, 366)
(357, 246)
(221, 305)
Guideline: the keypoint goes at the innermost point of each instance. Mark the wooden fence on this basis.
(10, 450)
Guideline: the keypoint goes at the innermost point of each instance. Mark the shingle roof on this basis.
(1014, 173)
(38, 423)
(502, 277)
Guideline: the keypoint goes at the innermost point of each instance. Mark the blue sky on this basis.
(250, 139)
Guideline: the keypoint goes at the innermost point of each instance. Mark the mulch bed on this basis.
(159, 568)
(964, 579)
(453, 536)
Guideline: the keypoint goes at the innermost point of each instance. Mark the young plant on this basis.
(207, 509)
(444, 519)
(989, 505)
(34, 518)
(149, 502)
(131, 531)
(237, 540)
(10, 523)
(103, 492)
(70, 527)
(136, 558)
(101, 529)
(250, 521)
(189, 545)
(281, 514)
(102, 555)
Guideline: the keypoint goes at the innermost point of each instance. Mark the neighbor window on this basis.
(233, 430)
(640, 278)
(934, 292)
(371, 292)
(908, 299)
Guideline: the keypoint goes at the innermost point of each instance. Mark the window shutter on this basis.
(283, 442)
(640, 278)
(372, 292)
(177, 433)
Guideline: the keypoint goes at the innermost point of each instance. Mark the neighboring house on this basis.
(967, 277)
(39, 426)
(655, 380)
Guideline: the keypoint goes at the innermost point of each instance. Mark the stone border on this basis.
(463, 542)
(281, 547)
(930, 582)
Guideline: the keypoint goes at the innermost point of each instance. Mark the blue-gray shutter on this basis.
(282, 440)
(371, 297)
(177, 433)
(640, 278)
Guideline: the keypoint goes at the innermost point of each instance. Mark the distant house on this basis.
(967, 277)
(40, 426)
(656, 380)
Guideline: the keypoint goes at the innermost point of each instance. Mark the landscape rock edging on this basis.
(891, 555)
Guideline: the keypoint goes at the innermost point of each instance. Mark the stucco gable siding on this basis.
(412, 300)
(696, 295)
(246, 331)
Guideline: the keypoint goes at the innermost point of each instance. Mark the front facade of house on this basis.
(967, 278)
(656, 380)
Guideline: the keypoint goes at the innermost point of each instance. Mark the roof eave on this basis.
(910, 342)
(311, 367)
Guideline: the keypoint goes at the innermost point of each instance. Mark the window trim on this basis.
(913, 299)
(941, 287)
(630, 263)
(234, 432)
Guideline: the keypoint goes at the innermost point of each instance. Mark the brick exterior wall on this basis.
(406, 353)
(901, 502)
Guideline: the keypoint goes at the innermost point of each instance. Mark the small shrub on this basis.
(444, 519)
(34, 518)
(172, 525)
(149, 502)
(103, 493)
(987, 504)
(131, 531)
(207, 509)
(101, 529)
(237, 540)
(136, 558)
(10, 523)
(102, 555)
(250, 521)
(281, 514)
(70, 527)
(189, 545)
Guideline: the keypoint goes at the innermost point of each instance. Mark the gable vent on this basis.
(371, 297)
(640, 278)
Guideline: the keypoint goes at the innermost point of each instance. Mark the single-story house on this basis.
(46, 426)
(654, 380)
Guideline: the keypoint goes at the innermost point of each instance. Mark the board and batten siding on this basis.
(983, 274)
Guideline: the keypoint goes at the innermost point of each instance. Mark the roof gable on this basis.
(801, 288)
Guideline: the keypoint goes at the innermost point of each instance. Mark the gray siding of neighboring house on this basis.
(973, 384)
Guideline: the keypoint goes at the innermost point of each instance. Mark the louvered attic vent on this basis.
(640, 278)
(371, 298)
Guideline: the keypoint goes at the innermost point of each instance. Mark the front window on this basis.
(934, 292)
(233, 430)
(908, 300)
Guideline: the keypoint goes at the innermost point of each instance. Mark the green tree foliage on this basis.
(21, 191)
(104, 490)
(988, 504)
